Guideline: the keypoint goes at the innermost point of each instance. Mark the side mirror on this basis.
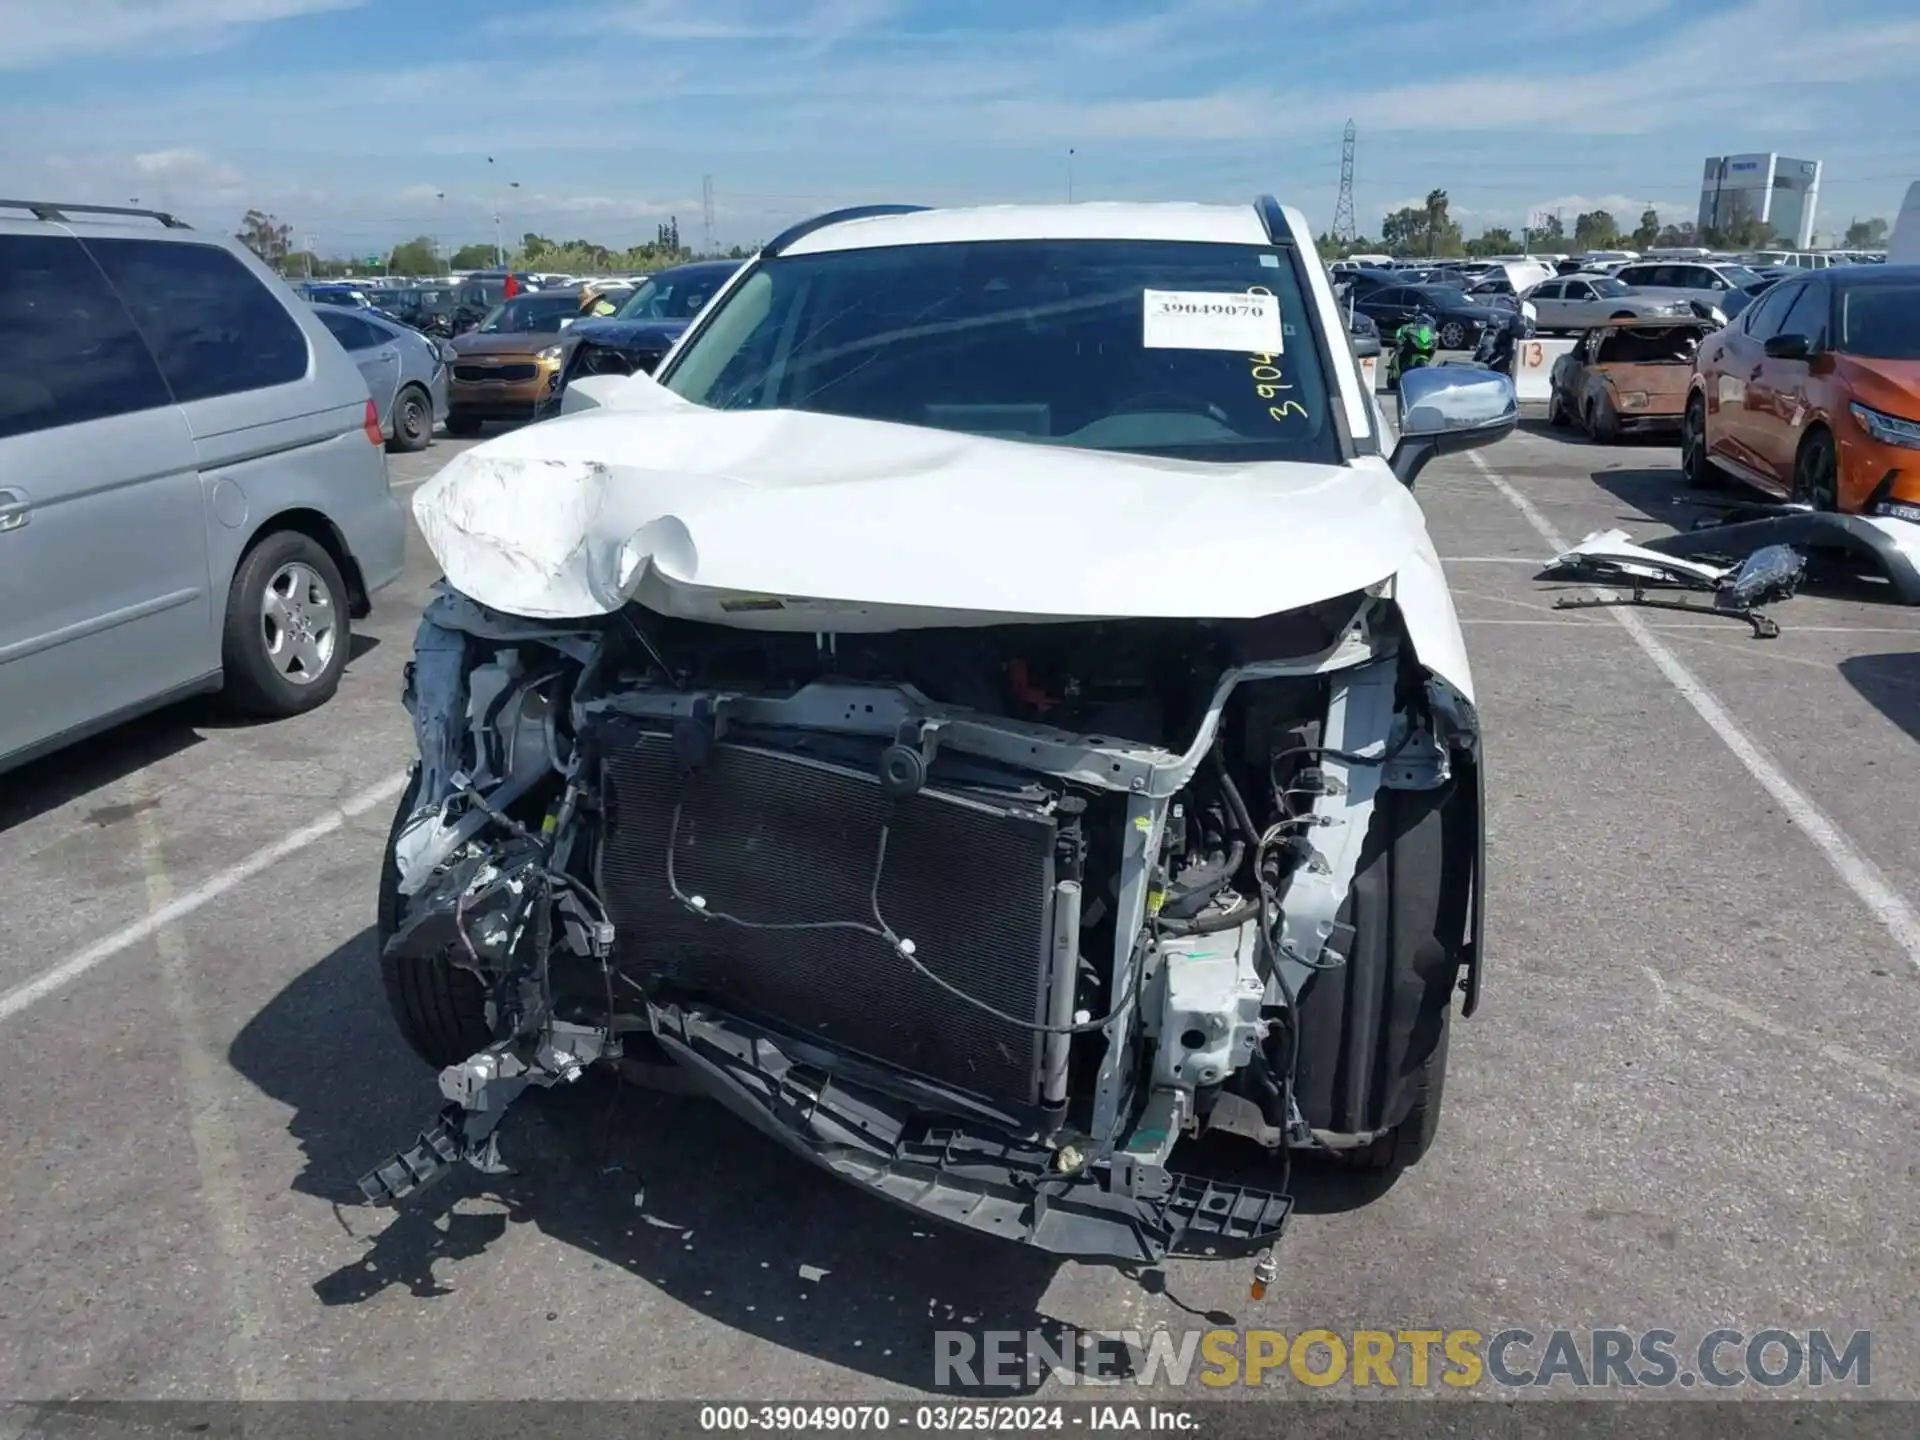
(1448, 408)
(1788, 347)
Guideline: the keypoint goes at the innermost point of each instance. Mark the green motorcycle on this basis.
(1415, 344)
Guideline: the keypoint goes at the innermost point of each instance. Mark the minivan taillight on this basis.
(373, 424)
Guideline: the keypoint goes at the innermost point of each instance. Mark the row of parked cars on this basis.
(507, 356)
(1810, 395)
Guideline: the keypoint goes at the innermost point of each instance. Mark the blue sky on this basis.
(350, 118)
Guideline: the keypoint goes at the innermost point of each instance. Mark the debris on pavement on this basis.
(1608, 557)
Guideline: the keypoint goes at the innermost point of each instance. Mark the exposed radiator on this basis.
(776, 838)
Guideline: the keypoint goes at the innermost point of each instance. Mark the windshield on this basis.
(671, 297)
(1609, 288)
(529, 315)
(1739, 276)
(1881, 322)
(1045, 341)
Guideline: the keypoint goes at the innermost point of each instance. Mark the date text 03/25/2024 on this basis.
(960, 1417)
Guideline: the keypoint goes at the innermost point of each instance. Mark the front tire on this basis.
(440, 1009)
(1602, 423)
(1816, 472)
(1408, 1142)
(285, 640)
(1557, 416)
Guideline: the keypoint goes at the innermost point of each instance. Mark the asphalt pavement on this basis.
(1690, 1099)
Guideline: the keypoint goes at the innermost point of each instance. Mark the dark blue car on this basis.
(646, 324)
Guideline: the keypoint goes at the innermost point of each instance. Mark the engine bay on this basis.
(1065, 891)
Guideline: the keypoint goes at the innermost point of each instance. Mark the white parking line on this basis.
(1855, 870)
(74, 966)
(1666, 989)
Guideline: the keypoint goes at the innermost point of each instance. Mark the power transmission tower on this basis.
(706, 214)
(1343, 226)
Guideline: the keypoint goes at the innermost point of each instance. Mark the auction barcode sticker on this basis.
(1207, 320)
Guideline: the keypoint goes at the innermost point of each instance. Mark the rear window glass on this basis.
(215, 329)
(68, 349)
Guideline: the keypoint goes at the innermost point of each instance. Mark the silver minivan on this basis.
(193, 480)
(1709, 282)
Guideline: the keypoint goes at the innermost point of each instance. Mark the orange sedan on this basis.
(1813, 394)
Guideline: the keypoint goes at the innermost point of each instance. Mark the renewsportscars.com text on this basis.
(1413, 1359)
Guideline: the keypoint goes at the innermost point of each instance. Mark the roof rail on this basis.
(1276, 223)
(52, 210)
(833, 217)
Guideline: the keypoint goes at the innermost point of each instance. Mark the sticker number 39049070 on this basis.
(1211, 320)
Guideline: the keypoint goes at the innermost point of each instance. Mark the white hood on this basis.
(796, 521)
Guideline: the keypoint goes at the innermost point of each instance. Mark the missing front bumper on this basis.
(964, 1171)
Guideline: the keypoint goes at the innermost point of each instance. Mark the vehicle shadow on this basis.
(96, 763)
(1890, 683)
(1656, 493)
(672, 1189)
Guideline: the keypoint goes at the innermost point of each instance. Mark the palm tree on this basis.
(1436, 219)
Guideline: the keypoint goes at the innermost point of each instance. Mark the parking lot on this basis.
(1688, 1100)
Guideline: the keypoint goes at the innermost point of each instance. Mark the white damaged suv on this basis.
(986, 709)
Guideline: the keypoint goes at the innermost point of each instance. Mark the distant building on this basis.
(1780, 191)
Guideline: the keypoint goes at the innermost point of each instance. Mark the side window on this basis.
(1807, 315)
(215, 329)
(1635, 275)
(353, 333)
(71, 352)
(1548, 291)
(1764, 317)
(1579, 290)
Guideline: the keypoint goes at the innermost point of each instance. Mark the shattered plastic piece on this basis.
(1608, 555)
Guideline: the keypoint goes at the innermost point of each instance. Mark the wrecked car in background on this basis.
(1626, 376)
(988, 709)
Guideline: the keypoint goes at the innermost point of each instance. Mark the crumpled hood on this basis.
(795, 521)
(608, 331)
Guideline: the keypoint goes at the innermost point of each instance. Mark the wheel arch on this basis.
(322, 531)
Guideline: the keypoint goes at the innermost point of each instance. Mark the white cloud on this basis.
(36, 33)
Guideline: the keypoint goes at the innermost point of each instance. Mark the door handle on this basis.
(15, 511)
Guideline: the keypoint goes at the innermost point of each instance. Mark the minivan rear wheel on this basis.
(286, 635)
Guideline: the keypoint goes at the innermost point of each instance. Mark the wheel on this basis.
(459, 424)
(1373, 1033)
(1557, 411)
(1816, 472)
(1602, 424)
(286, 635)
(412, 419)
(1453, 335)
(440, 1009)
(1700, 471)
(1409, 1141)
